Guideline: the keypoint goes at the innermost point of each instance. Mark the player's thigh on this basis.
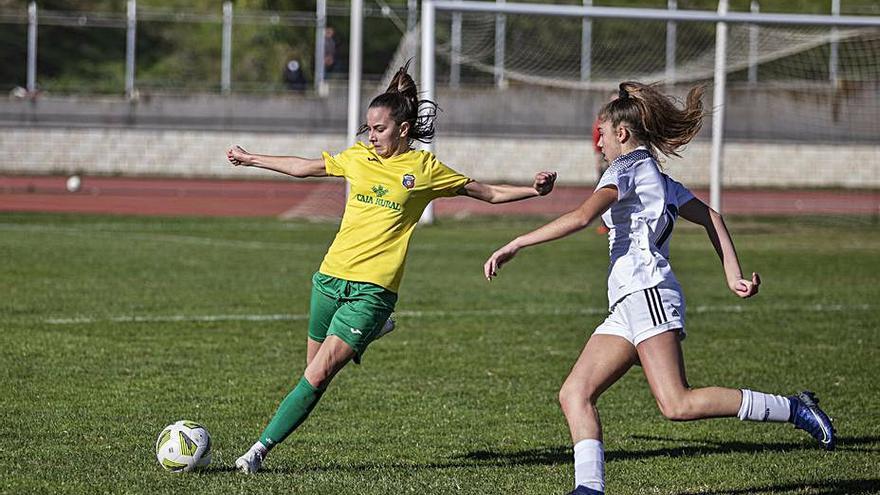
(663, 363)
(604, 359)
(322, 306)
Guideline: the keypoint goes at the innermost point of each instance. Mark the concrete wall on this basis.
(775, 135)
(189, 153)
(849, 114)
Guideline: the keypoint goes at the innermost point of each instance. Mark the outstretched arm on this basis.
(569, 223)
(497, 193)
(290, 165)
(697, 212)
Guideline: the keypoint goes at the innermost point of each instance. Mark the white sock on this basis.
(758, 406)
(260, 449)
(589, 464)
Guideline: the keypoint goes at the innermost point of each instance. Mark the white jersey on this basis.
(641, 223)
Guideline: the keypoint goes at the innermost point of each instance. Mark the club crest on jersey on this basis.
(409, 181)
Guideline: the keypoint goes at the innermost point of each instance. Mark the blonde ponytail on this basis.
(653, 118)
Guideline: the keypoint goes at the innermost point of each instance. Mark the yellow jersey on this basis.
(386, 200)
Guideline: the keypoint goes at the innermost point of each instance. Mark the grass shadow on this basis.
(562, 455)
(703, 447)
(218, 468)
(832, 487)
(689, 448)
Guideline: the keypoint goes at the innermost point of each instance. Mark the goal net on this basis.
(802, 102)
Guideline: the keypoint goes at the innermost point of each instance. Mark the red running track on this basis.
(324, 199)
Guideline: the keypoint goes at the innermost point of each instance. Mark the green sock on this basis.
(294, 409)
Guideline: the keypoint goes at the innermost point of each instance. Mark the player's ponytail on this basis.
(653, 118)
(402, 99)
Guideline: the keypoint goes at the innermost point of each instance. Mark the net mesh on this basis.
(546, 50)
(802, 106)
(793, 82)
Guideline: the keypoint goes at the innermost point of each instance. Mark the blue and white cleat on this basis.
(806, 415)
(582, 490)
(387, 328)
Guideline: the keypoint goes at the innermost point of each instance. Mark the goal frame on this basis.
(587, 12)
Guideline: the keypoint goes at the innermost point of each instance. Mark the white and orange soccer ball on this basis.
(183, 446)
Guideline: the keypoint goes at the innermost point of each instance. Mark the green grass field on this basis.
(113, 327)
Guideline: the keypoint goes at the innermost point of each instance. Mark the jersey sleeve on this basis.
(336, 164)
(445, 182)
(619, 177)
(680, 193)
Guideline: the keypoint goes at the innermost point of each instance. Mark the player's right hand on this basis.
(498, 258)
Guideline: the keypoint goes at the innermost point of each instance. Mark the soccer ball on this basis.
(183, 446)
(73, 183)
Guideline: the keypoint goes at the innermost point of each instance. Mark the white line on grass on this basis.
(120, 235)
(175, 318)
(127, 225)
(166, 238)
(733, 308)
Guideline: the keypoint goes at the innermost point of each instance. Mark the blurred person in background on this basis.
(329, 49)
(294, 78)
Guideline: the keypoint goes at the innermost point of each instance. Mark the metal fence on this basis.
(226, 20)
(230, 23)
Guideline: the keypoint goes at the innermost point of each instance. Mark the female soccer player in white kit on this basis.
(647, 309)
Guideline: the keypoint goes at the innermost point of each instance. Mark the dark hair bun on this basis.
(402, 99)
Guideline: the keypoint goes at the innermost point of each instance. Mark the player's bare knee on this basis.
(318, 376)
(576, 396)
(675, 408)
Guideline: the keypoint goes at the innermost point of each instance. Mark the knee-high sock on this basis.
(589, 464)
(758, 406)
(294, 409)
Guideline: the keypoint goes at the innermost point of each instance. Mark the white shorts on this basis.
(646, 313)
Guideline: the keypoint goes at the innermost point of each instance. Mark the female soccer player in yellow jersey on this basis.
(647, 309)
(355, 289)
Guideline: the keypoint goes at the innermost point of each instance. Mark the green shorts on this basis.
(353, 311)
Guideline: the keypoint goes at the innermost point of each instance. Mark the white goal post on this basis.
(721, 18)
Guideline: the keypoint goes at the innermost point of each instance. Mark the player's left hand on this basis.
(744, 288)
(544, 182)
